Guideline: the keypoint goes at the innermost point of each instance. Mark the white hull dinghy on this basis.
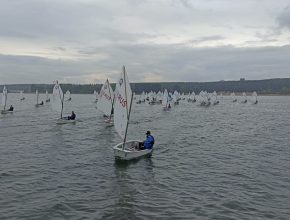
(68, 95)
(64, 121)
(47, 99)
(122, 112)
(21, 96)
(165, 101)
(57, 104)
(245, 98)
(130, 150)
(6, 112)
(4, 100)
(234, 97)
(106, 103)
(255, 95)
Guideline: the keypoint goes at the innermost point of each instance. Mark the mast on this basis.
(128, 113)
(36, 96)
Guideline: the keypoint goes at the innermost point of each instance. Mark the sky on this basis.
(88, 41)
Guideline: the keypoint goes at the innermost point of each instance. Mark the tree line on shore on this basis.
(267, 86)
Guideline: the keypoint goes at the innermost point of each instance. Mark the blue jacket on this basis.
(149, 142)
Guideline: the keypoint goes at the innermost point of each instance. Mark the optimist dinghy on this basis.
(21, 96)
(255, 95)
(127, 149)
(47, 99)
(4, 100)
(233, 95)
(106, 102)
(37, 95)
(57, 104)
(165, 101)
(245, 97)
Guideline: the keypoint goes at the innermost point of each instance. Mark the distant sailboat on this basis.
(68, 95)
(97, 95)
(255, 95)
(57, 103)
(127, 149)
(37, 96)
(151, 98)
(106, 102)
(4, 100)
(47, 99)
(165, 101)
(233, 95)
(216, 102)
(245, 97)
(21, 96)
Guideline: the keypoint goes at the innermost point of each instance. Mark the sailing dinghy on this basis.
(21, 96)
(37, 96)
(255, 95)
(4, 100)
(233, 95)
(245, 97)
(216, 102)
(57, 103)
(68, 95)
(106, 102)
(127, 149)
(165, 101)
(47, 99)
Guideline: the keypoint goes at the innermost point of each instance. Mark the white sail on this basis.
(193, 95)
(57, 98)
(106, 99)
(21, 95)
(255, 95)
(37, 95)
(46, 95)
(214, 94)
(151, 96)
(245, 96)
(165, 99)
(4, 97)
(122, 104)
(174, 98)
(67, 94)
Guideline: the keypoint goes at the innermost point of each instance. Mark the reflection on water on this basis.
(228, 161)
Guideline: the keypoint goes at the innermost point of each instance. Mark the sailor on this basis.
(11, 108)
(169, 106)
(41, 103)
(148, 143)
(72, 117)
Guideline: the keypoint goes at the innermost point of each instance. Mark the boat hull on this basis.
(64, 121)
(37, 105)
(129, 154)
(6, 112)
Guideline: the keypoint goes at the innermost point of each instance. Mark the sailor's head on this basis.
(148, 133)
(10, 105)
(72, 112)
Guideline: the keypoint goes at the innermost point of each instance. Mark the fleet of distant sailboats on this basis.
(116, 107)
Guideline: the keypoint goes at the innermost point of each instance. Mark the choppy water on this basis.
(223, 162)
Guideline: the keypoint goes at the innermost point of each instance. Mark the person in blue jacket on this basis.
(148, 143)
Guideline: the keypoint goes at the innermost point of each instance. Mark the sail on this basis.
(4, 97)
(123, 94)
(57, 98)
(151, 96)
(21, 95)
(37, 95)
(165, 99)
(245, 96)
(68, 94)
(255, 95)
(174, 98)
(105, 101)
(46, 95)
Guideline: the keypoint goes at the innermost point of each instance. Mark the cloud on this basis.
(284, 18)
(178, 40)
(149, 63)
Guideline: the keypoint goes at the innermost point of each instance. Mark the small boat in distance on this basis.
(165, 101)
(106, 102)
(97, 95)
(233, 95)
(216, 102)
(126, 150)
(37, 96)
(47, 99)
(68, 95)
(57, 104)
(21, 96)
(4, 100)
(245, 97)
(255, 95)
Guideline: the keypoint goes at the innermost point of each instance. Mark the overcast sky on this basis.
(88, 41)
